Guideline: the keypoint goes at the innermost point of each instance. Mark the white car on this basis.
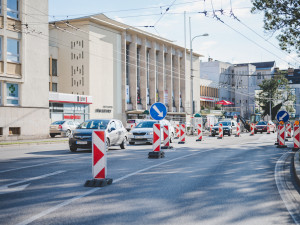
(132, 123)
(143, 132)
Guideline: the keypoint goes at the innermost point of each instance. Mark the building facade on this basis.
(124, 69)
(24, 95)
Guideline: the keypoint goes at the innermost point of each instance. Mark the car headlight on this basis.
(129, 133)
(150, 133)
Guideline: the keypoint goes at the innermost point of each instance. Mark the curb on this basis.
(296, 167)
(16, 143)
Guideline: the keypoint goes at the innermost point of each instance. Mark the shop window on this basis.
(14, 131)
(13, 9)
(13, 50)
(1, 131)
(12, 94)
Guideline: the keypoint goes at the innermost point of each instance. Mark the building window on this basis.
(72, 82)
(1, 131)
(82, 70)
(13, 50)
(13, 8)
(0, 44)
(259, 75)
(82, 81)
(54, 67)
(14, 131)
(54, 87)
(0, 93)
(12, 94)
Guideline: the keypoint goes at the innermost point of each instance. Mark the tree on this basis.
(275, 90)
(282, 16)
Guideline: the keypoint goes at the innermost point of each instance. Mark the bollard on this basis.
(238, 130)
(220, 131)
(199, 137)
(177, 131)
(296, 136)
(281, 143)
(182, 134)
(252, 129)
(268, 128)
(156, 153)
(288, 130)
(210, 129)
(99, 161)
(166, 136)
(277, 131)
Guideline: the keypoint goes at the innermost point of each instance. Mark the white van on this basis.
(131, 123)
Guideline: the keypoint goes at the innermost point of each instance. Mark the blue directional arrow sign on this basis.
(283, 116)
(158, 111)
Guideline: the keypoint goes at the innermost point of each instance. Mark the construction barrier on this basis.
(200, 136)
(182, 134)
(156, 153)
(220, 131)
(268, 129)
(166, 136)
(288, 130)
(99, 161)
(252, 126)
(296, 136)
(177, 131)
(238, 130)
(281, 143)
(277, 131)
(210, 129)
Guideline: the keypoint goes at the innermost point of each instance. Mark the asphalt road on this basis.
(243, 180)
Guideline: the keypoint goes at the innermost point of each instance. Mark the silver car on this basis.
(63, 128)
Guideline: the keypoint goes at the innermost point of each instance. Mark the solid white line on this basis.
(285, 195)
(41, 164)
(50, 210)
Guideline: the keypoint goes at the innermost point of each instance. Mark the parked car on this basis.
(261, 127)
(132, 123)
(116, 134)
(143, 132)
(229, 128)
(62, 127)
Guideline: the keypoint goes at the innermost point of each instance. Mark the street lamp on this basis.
(191, 59)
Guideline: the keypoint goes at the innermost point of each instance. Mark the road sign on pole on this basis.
(158, 111)
(283, 116)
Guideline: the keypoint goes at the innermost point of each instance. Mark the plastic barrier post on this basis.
(281, 143)
(268, 129)
(177, 131)
(252, 129)
(99, 167)
(220, 131)
(200, 136)
(156, 153)
(182, 134)
(166, 136)
(277, 139)
(296, 136)
(288, 130)
(238, 130)
(210, 129)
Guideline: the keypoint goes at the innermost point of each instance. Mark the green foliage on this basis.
(276, 89)
(282, 16)
(217, 107)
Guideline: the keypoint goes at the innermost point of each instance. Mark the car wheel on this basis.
(68, 133)
(131, 143)
(107, 144)
(229, 134)
(123, 144)
(52, 135)
(73, 148)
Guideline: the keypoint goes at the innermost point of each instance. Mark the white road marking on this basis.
(285, 195)
(54, 208)
(41, 164)
(160, 114)
(6, 189)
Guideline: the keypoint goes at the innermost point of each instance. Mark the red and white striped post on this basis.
(268, 128)
(288, 130)
(166, 136)
(296, 136)
(177, 131)
(281, 143)
(199, 137)
(99, 161)
(252, 129)
(210, 129)
(238, 130)
(220, 131)
(277, 131)
(156, 153)
(182, 134)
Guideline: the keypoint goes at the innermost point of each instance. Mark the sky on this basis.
(240, 40)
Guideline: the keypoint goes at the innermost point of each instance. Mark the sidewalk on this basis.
(297, 166)
(34, 141)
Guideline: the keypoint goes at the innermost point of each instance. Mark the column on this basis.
(133, 72)
(123, 58)
(152, 73)
(161, 73)
(168, 78)
(176, 82)
(182, 83)
(143, 73)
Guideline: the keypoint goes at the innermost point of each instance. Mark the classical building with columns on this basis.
(123, 68)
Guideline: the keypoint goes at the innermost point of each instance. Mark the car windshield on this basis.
(94, 124)
(224, 123)
(58, 122)
(262, 123)
(146, 124)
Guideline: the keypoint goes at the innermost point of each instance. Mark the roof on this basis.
(263, 65)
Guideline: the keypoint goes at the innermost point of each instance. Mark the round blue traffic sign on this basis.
(158, 111)
(283, 116)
